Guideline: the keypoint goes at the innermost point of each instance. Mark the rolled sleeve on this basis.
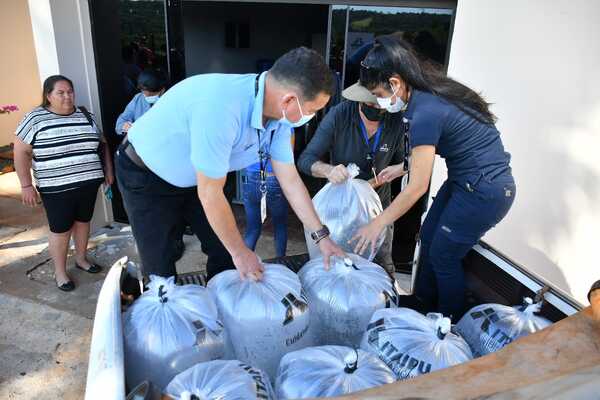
(213, 132)
(320, 143)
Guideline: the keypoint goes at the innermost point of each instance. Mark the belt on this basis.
(129, 150)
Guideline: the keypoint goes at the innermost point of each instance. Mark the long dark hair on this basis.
(392, 55)
(49, 86)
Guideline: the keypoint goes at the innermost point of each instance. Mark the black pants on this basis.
(156, 211)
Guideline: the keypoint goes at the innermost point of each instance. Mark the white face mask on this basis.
(386, 102)
(152, 99)
(303, 119)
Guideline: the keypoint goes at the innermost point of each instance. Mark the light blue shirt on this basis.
(135, 109)
(208, 123)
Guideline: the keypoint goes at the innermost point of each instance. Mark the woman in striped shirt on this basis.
(60, 143)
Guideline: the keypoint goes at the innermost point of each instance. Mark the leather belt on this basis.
(131, 153)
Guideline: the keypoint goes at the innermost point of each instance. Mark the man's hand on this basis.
(248, 265)
(329, 248)
(391, 172)
(30, 196)
(338, 174)
(126, 126)
(367, 236)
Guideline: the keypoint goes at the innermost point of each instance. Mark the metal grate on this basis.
(192, 278)
(199, 277)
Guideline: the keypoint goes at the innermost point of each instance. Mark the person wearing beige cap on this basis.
(358, 131)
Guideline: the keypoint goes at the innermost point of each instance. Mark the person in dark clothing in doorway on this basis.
(358, 131)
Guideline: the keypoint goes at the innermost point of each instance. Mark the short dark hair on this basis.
(49, 86)
(152, 80)
(305, 69)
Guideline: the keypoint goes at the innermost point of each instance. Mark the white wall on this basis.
(538, 62)
(270, 37)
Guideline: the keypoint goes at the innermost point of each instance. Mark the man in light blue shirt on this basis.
(204, 127)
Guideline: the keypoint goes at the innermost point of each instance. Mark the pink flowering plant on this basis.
(8, 108)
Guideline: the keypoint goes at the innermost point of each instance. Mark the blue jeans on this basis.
(462, 212)
(277, 210)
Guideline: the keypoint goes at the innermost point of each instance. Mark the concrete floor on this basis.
(45, 333)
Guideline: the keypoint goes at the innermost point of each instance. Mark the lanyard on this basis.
(406, 138)
(373, 149)
(263, 156)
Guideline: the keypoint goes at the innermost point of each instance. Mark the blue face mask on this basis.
(151, 99)
(303, 119)
(386, 102)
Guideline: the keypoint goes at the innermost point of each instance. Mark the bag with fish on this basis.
(343, 298)
(264, 319)
(489, 327)
(220, 379)
(412, 344)
(327, 371)
(344, 208)
(168, 329)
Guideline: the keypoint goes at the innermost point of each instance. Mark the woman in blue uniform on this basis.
(447, 118)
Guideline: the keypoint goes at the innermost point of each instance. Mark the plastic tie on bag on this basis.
(443, 326)
(351, 361)
(353, 170)
(185, 395)
(529, 307)
(162, 294)
(349, 263)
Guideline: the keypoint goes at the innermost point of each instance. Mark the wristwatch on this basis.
(319, 235)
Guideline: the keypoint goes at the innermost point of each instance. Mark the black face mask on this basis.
(372, 113)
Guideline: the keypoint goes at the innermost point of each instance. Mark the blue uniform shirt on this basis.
(208, 123)
(470, 148)
(135, 109)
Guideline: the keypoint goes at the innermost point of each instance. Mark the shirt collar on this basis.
(257, 110)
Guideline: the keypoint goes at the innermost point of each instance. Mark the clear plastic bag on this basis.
(327, 371)
(168, 329)
(264, 319)
(489, 327)
(221, 379)
(343, 299)
(412, 344)
(344, 208)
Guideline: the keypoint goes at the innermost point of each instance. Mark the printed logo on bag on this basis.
(494, 338)
(261, 387)
(374, 328)
(391, 298)
(402, 364)
(292, 303)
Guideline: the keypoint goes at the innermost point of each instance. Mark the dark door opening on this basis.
(241, 37)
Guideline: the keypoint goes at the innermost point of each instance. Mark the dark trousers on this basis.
(156, 211)
(460, 215)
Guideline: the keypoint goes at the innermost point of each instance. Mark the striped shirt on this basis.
(65, 149)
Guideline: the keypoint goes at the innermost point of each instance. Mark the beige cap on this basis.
(359, 93)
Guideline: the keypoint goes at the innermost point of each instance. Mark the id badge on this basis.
(263, 208)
